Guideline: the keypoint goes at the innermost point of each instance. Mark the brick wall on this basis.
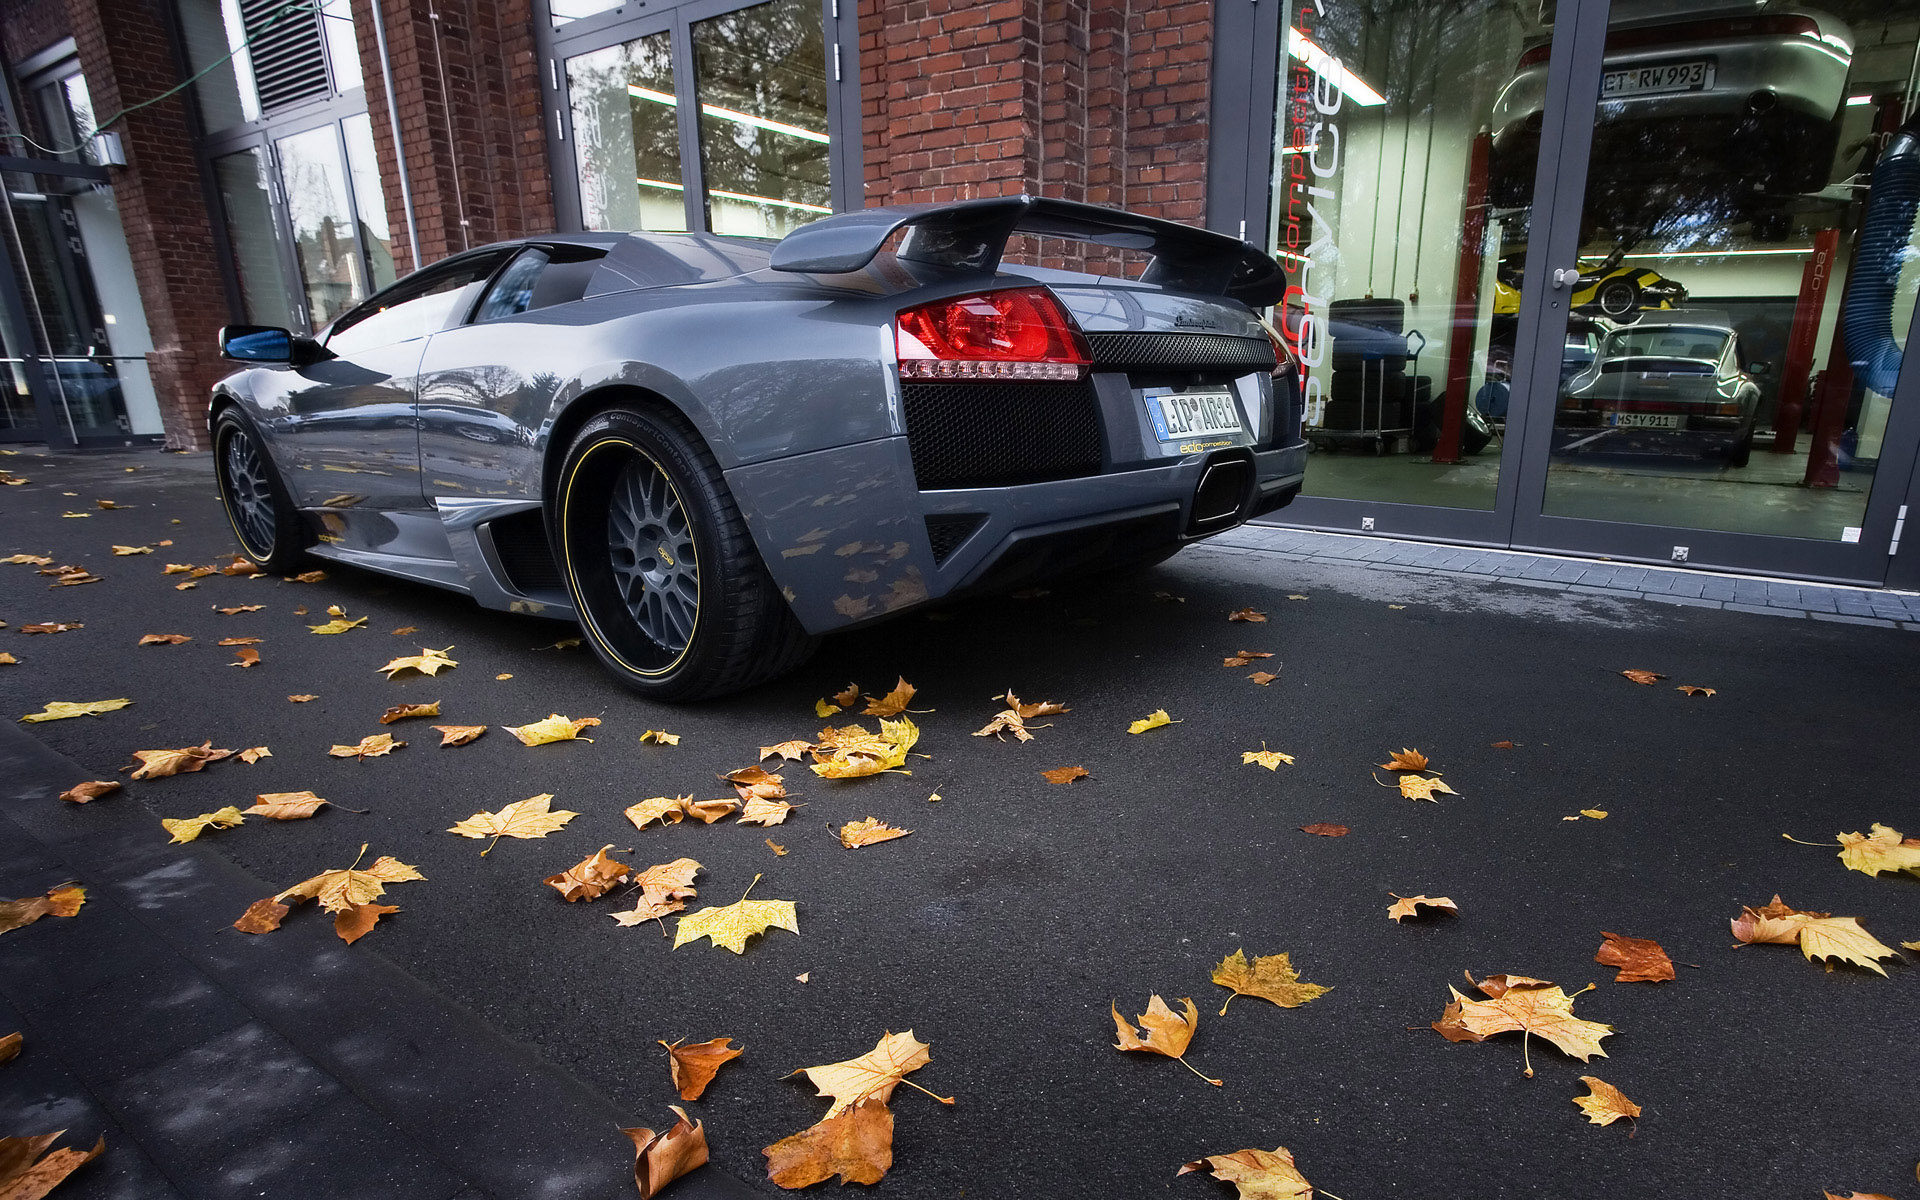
(476, 146)
(30, 26)
(1096, 100)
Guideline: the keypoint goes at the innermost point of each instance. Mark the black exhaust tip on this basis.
(1222, 494)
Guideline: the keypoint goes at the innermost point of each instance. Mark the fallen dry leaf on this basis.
(1026, 711)
(1256, 1174)
(793, 751)
(1882, 850)
(1607, 1104)
(1152, 720)
(757, 783)
(848, 697)
(60, 710)
(1263, 678)
(1324, 829)
(693, 1067)
(459, 735)
(234, 641)
(529, 818)
(237, 609)
(1419, 787)
(374, 745)
(1065, 774)
(1406, 760)
(1409, 906)
(893, 703)
(80, 793)
(165, 639)
(1165, 1032)
(10, 1047)
(404, 630)
(1004, 722)
(285, 806)
(337, 625)
(1270, 977)
(401, 712)
(856, 1145)
(663, 889)
(1649, 678)
(427, 662)
(660, 1158)
(660, 737)
(850, 752)
(866, 833)
(1502, 745)
(1819, 934)
(1270, 759)
(709, 811)
(262, 916)
(347, 892)
(109, 504)
(22, 560)
(1244, 658)
(25, 1175)
(52, 627)
(1691, 690)
(764, 812)
(824, 710)
(302, 699)
(240, 566)
(8, 659)
(158, 764)
(1596, 814)
(1517, 1003)
(63, 900)
(310, 577)
(777, 848)
(1246, 614)
(185, 829)
(873, 1075)
(590, 879)
(248, 657)
(1641, 960)
(730, 925)
(660, 808)
(554, 728)
(352, 924)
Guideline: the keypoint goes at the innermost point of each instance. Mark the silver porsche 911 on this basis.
(710, 450)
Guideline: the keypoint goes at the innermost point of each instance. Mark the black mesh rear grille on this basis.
(947, 530)
(965, 435)
(1181, 351)
(521, 543)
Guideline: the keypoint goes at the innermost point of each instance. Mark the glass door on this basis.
(1736, 293)
(1403, 200)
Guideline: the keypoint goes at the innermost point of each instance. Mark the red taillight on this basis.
(1537, 55)
(1285, 366)
(1019, 333)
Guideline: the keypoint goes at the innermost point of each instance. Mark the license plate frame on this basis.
(1658, 79)
(1206, 417)
(1621, 420)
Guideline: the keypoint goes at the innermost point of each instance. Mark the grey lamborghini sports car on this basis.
(710, 450)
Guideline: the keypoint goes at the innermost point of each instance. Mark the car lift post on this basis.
(1791, 400)
(1466, 302)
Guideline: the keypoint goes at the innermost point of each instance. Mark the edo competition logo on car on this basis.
(1312, 144)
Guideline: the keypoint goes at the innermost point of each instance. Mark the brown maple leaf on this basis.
(347, 893)
(795, 750)
(25, 1175)
(693, 1067)
(1649, 678)
(1270, 977)
(1026, 711)
(1004, 722)
(10, 1047)
(855, 834)
(1641, 960)
(1244, 658)
(752, 782)
(401, 712)
(856, 1145)
(262, 916)
(63, 900)
(1257, 1174)
(1692, 690)
(1165, 1032)
(1607, 1104)
(1406, 760)
(52, 627)
(590, 879)
(458, 735)
(660, 1158)
(236, 641)
(1409, 906)
(247, 657)
(893, 703)
(1820, 935)
(1520, 1004)
(1065, 774)
(80, 793)
(1505, 744)
(158, 764)
(1246, 614)
(1323, 829)
(356, 921)
(709, 811)
(1263, 678)
(165, 639)
(374, 745)
(664, 889)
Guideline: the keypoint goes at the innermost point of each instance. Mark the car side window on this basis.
(411, 309)
(512, 293)
(539, 278)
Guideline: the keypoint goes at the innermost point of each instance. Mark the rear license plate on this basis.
(1645, 420)
(1200, 413)
(1693, 76)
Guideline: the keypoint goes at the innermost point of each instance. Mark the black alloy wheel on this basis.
(257, 505)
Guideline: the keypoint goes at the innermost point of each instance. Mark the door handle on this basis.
(1564, 276)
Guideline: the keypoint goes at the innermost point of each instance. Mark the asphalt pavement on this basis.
(1002, 929)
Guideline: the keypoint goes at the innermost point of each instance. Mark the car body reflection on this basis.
(1675, 386)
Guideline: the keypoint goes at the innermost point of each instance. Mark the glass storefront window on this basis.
(303, 52)
(764, 152)
(566, 12)
(318, 209)
(246, 203)
(343, 49)
(1400, 229)
(1724, 230)
(626, 136)
(369, 201)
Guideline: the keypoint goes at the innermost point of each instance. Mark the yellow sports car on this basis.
(1619, 294)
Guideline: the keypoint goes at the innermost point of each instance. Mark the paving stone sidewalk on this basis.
(292, 1066)
(1701, 589)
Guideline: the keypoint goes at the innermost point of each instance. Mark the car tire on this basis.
(1617, 298)
(1741, 452)
(257, 504)
(672, 594)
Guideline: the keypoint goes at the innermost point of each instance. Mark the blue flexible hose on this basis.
(1866, 319)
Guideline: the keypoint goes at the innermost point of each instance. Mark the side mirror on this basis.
(256, 343)
(1759, 368)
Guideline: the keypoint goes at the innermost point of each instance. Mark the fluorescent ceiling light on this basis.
(1801, 251)
(728, 114)
(1327, 67)
(724, 194)
(1857, 101)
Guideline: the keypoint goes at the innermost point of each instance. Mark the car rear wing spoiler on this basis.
(971, 235)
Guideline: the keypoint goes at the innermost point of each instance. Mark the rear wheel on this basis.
(1741, 451)
(672, 595)
(1618, 298)
(257, 504)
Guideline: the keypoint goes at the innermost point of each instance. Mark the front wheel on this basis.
(257, 504)
(671, 593)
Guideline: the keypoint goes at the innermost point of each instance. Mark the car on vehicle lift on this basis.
(710, 450)
(1669, 385)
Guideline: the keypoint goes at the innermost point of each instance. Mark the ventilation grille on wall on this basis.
(289, 59)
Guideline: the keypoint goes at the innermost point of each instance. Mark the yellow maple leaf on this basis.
(590, 878)
(1519, 1004)
(1607, 1104)
(1882, 850)
(253, 754)
(285, 806)
(823, 710)
(1419, 787)
(529, 818)
(1257, 1174)
(1842, 938)
(427, 662)
(1270, 977)
(554, 728)
(1596, 814)
(794, 750)
(1270, 759)
(660, 737)
(349, 887)
(660, 808)
(1166, 1032)
(124, 551)
(458, 735)
(60, 710)
(338, 625)
(873, 1075)
(373, 745)
(401, 712)
(185, 829)
(893, 703)
(1152, 720)
(762, 811)
(63, 900)
(664, 889)
(730, 925)
(158, 764)
(855, 834)
(1409, 906)
(851, 752)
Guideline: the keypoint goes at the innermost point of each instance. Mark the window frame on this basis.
(676, 18)
(419, 282)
